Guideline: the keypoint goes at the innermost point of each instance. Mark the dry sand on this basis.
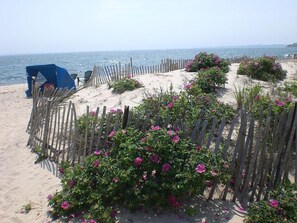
(22, 182)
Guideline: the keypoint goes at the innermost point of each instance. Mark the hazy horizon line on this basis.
(161, 49)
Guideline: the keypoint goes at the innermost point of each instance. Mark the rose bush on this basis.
(154, 169)
(204, 61)
(264, 68)
(280, 208)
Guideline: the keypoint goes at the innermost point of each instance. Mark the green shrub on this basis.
(291, 88)
(204, 61)
(125, 84)
(186, 107)
(255, 101)
(264, 68)
(280, 208)
(156, 169)
(208, 80)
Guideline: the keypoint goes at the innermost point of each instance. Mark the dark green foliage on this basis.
(208, 80)
(280, 208)
(155, 169)
(203, 61)
(186, 108)
(264, 68)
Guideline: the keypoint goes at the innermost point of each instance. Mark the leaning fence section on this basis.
(105, 74)
(260, 154)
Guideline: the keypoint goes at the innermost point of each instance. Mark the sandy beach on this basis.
(22, 182)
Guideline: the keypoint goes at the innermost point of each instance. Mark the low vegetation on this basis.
(125, 84)
(264, 68)
(280, 208)
(154, 169)
(203, 61)
(260, 104)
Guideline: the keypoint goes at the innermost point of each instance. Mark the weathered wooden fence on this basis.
(105, 74)
(260, 154)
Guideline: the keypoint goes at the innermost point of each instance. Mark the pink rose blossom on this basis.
(148, 148)
(112, 134)
(84, 221)
(115, 179)
(97, 152)
(137, 161)
(198, 148)
(200, 168)
(106, 154)
(143, 139)
(129, 76)
(257, 97)
(175, 139)
(175, 97)
(172, 199)
(188, 86)
(273, 203)
(96, 163)
(279, 103)
(170, 105)
(170, 133)
(113, 110)
(166, 167)
(49, 197)
(288, 99)
(155, 158)
(65, 205)
(93, 113)
(155, 128)
(93, 221)
(61, 170)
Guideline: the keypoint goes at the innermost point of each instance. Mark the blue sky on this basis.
(42, 26)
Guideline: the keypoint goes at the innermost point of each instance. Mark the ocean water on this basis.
(13, 67)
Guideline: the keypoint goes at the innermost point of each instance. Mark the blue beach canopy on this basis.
(49, 74)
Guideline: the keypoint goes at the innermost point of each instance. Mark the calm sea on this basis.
(13, 68)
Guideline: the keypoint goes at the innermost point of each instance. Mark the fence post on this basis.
(46, 126)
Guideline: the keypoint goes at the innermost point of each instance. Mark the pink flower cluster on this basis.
(173, 201)
(112, 134)
(200, 168)
(96, 163)
(273, 203)
(155, 158)
(155, 128)
(166, 167)
(65, 205)
(138, 161)
(170, 105)
(97, 152)
(279, 103)
(188, 86)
